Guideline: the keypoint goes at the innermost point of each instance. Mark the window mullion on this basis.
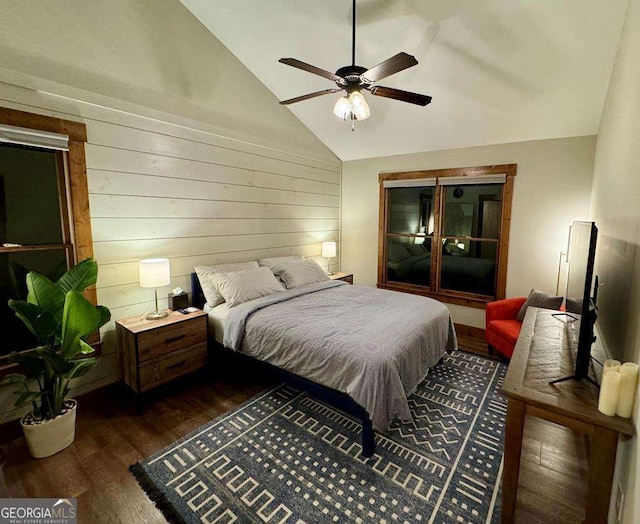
(436, 244)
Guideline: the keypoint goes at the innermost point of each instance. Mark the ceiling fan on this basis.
(353, 79)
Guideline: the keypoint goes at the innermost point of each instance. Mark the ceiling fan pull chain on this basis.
(353, 122)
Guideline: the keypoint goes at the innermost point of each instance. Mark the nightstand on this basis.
(153, 352)
(347, 277)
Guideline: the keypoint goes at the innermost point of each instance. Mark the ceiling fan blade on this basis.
(293, 62)
(310, 95)
(403, 96)
(389, 67)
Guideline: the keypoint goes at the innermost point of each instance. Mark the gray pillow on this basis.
(209, 289)
(241, 286)
(295, 273)
(539, 299)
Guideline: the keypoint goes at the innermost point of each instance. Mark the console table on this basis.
(541, 355)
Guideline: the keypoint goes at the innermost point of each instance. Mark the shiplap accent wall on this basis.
(161, 190)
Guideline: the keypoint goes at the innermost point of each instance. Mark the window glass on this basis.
(411, 210)
(469, 266)
(29, 198)
(409, 259)
(473, 211)
(29, 216)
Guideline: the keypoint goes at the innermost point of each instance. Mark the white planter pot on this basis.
(49, 437)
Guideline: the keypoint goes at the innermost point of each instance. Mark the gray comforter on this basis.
(375, 345)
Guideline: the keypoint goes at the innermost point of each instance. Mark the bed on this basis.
(361, 349)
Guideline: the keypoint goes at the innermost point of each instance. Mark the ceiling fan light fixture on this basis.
(359, 106)
(342, 109)
(354, 78)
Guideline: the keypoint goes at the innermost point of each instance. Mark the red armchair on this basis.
(502, 328)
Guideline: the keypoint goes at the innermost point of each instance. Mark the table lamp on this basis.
(329, 251)
(155, 273)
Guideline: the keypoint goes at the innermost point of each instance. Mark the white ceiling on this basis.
(498, 71)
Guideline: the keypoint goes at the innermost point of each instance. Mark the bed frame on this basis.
(331, 396)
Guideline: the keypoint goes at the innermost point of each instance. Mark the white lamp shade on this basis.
(359, 106)
(154, 272)
(328, 249)
(342, 108)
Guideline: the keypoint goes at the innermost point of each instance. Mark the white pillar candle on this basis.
(609, 389)
(611, 365)
(628, 381)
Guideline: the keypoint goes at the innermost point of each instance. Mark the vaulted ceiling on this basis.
(498, 71)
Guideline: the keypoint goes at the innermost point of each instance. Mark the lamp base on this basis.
(157, 315)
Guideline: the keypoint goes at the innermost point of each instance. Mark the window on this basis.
(44, 209)
(444, 233)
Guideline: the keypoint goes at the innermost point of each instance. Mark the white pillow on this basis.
(211, 294)
(295, 273)
(242, 286)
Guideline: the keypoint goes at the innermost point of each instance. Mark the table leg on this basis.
(602, 460)
(512, 451)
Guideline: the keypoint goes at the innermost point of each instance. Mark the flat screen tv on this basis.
(580, 303)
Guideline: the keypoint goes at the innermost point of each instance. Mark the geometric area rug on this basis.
(285, 457)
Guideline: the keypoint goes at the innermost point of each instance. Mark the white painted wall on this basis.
(552, 188)
(153, 53)
(160, 183)
(615, 206)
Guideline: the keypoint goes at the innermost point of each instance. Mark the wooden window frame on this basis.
(73, 180)
(433, 291)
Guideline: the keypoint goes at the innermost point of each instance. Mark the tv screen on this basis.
(579, 302)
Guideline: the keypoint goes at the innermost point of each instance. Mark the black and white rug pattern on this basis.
(284, 457)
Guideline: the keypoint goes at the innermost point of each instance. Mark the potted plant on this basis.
(60, 318)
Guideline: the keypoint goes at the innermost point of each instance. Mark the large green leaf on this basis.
(57, 364)
(27, 397)
(79, 319)
(105, 315)
(40, 322)
(45, 294)
(79, 277)
(85, 348)
(33, 365)
(81, 367)
(13, 378)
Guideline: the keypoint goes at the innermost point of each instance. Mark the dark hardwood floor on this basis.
(112, 434)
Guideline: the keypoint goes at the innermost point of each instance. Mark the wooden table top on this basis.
(139, 324)
(542, 355)
(339, 274)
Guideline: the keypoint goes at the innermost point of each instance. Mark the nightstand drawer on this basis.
(170, 338)
(179, 363)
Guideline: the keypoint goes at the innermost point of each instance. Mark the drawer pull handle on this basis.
(177, 364)
(174, 339)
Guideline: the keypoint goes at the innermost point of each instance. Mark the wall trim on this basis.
(471, 338)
